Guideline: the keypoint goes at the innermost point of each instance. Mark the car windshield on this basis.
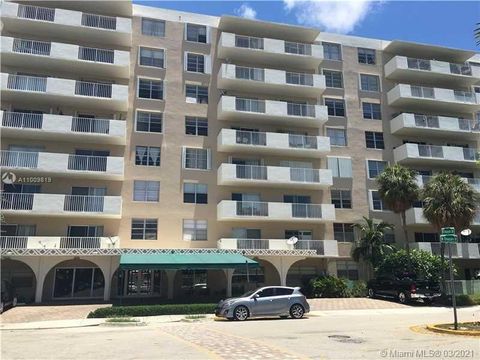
(248, 293)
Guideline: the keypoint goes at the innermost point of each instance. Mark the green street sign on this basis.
(448, 238)
(448, 231)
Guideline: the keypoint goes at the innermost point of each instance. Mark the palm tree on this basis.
(449, 201)
(477, 33)
(398, 188)
(371, 246)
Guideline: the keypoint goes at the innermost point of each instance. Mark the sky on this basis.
(446, 23)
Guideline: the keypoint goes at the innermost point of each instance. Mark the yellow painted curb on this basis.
(438, 329)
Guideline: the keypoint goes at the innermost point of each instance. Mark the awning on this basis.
(185, 261)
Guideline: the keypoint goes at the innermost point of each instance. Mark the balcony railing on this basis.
(83, 203)
(470, 154)
(53, 242)
(31, 47)
(423, 91)
(89, 125)
(461, 69)
(36, 13)
(465, 96)
(22, 120)
(99, 21)
(317, 245)
(469, 124)
(97, 55)
(19, 159)
(419, 64)
(253, 172)
(252, 208)
(87, 163)
(300, 110)
(298, 48)
(249, 42)
(251, 138)
(249, 73)
(304, 175)
(299, 78)
(93, 89)
(306, 211)
(17, 201)
(27, 83)
(250, 105)
(256, 244)
(430, 151)
(13, 242)
(302, 141)
(427, 121)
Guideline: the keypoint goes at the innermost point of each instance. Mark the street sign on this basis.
(449, 239)
(448, 231)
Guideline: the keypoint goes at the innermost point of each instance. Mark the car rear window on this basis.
(283, 291)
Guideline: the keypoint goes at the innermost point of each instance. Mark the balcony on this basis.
(414, 154)
(442, 73)
(66, 24)
(64, 92)
(271, 112)
(230, 210)
(65, 165)
(459, 250)
(422, 180)
(269, 51)
(58, 242)
(414, 216)
(422, 98)
(432, 125)
(268, 143)
(274, 176)
(57, 57)
(270, 81)
(61, 205)
(62, 127)
(327, 248)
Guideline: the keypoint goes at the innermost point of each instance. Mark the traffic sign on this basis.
(448, 239)
(448, 231)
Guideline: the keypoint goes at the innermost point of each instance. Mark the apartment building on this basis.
(156, 153)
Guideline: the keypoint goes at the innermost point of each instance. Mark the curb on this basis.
(437, 329)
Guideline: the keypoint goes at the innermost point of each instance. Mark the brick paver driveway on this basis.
(21, 314)
(352, 304)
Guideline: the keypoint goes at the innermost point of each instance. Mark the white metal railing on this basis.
(249, 42)
(97, 55)
(429, 121)
(89, 125)
(464, 96)
(13, 242)
(250, 137)
(256, 244)
(69, 242)
(299, 78)
(33, 47)
(302, 141)
(433, 151)
(304, 175)
(252, 208)
(87, 163)
(17, 201)
(305, 110)
(252, 172)
(461, 69)
(306, 210)
(419, 64)
(99, 21)
(317, 245)
(422, 91)
(83, 203)
(298, 48)
(93, 89)
(22, 120)
(36, 12)
(28, 83)
(19, 159)
(250, 105)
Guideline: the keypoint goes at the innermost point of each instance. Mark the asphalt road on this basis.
(355, 334)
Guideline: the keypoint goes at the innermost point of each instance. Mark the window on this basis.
(195, 193)
(336, 107)
(342, 199)
(369, 82)
(332, 51)
(196, 63)
(147, 155)
(371, 111)
(152, 57)
(149, 122)
(389, 237)
(333, 79)
(150, 89)
(197, 93)
(197, 33)
(147, 191)
(366, 56)
(374, 140)
(347, 270)
(426, 237)
(341, 167)
(195, 158)
(338, 137)
(375, 168)
(196, 126)
(144, 229)
(152, 27)
(343, 232)
(194, 230)
(377, 202)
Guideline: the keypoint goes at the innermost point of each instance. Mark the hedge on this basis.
(153, 310)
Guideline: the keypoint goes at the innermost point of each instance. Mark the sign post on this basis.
(448, 237)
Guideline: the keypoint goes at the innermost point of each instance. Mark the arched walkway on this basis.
(302, 271)
(22, 277)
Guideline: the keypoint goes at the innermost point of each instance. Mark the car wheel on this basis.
(297, 311)
(371, 293)
(240, 313)
(402, 297)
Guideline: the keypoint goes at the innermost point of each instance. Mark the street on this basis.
(348, 334)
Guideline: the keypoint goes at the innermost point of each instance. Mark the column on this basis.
(171, 283)
(331, 267)
(229, 275)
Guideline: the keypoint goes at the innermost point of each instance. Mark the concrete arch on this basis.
(282, 265)
(23, 278)
(301, 271)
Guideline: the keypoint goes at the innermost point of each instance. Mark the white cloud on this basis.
(339, 16)
(246, 11)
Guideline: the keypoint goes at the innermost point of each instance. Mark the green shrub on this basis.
(153, 310)
(329, 287)
(358, 289)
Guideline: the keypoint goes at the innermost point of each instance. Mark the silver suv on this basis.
(267, 301)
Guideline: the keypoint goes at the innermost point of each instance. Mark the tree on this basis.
(477, 33)
(449, 201)
(398, 189)
(371, 246)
